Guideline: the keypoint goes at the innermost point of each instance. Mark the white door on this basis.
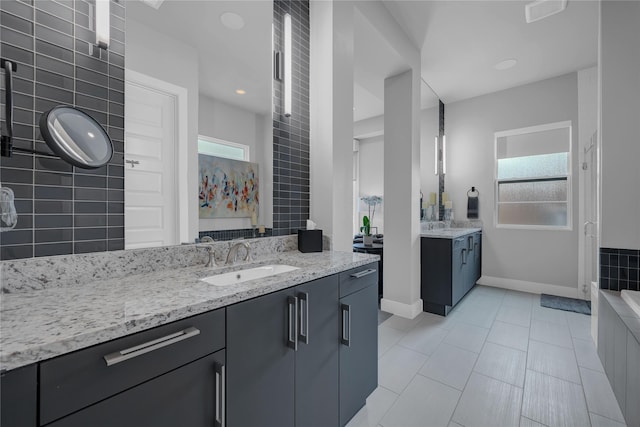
(150, 169)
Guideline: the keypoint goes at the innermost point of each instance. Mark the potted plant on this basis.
(367, 238)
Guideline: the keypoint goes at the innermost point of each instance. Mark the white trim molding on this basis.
(531, 287)
(408, 311)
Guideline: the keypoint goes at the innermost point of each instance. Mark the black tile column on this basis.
(291, 134)
(62, 209)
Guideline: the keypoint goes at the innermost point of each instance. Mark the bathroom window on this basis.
(533, 177)
(220, 148)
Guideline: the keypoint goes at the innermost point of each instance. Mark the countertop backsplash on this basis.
(68, 270)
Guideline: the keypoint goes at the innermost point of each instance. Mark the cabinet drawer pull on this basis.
(135, 351)
(346, 324)
(363, 273)
(464, 256)
(304, 317)
(292, 339)
(220, 395)
(470, 243)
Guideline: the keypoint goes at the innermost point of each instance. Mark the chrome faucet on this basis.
(211, 252)
(232, 255)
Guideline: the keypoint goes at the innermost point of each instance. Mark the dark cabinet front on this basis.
(19, 397)
(449, 268)
(358, 350)
(192, 395)
(283, 358)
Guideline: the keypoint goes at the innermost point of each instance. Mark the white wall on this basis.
(176, 63)
(541, 257)
(620, 123)
(371, 178)
(220, 120)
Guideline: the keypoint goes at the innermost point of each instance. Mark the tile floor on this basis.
(499, 359)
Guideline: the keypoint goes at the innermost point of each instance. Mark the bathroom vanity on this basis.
(165, 348)
(451, 261)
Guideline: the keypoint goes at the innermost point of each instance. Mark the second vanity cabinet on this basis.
(449, 268)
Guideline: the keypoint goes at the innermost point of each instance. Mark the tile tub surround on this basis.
(62, 209)
(626, 313)
(41, 324)
(619, 269)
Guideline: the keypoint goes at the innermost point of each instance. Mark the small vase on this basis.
(367, 240)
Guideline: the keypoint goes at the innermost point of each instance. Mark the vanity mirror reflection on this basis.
(429, 159)
(202, 72)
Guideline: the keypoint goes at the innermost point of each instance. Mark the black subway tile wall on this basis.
(62, 209)
(240, 233)
(291, 134)
(619, 269)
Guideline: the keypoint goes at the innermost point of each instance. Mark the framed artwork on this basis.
(227, 188)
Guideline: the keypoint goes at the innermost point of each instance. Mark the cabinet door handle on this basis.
(346, 324)
(292, 339)
(220, 395)
(475, 246)
(470, 243)
(362, 273)
(304, 317)
(464, 256)
(138, 350)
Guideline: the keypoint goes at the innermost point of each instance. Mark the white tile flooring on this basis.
(499, 359)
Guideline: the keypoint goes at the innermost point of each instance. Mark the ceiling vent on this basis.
(153, 3)
(541, 9)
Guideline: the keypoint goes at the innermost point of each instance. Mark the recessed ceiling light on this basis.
(241, 91)
(232, 20)
(541, 9)
(506, 64)
(153, 3)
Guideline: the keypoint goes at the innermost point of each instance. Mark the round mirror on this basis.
(76, 137)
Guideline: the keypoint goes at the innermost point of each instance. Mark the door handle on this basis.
(304, 317)
(138, 350)
(361, 274)
(470, 243)
(292, 339)
(346, 324)
(464, 256)
(586, 227)
(220, 395)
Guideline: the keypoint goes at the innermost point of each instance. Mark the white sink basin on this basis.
(240, 276)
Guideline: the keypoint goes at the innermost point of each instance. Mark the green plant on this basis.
(366, 226)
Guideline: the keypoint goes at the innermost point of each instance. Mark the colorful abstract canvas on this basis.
(227, 188)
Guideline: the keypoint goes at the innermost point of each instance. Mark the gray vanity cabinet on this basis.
(283, 358)
(191, 395)
(359, 340)
(19, 397)
(449, 268)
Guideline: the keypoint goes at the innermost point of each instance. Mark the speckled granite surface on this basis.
(56, 312)
(448, 233)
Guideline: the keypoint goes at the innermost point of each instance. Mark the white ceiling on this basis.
(228, 59)
(461, 41)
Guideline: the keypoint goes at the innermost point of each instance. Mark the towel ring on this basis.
(473, 190)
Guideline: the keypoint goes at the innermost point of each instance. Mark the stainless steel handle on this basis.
(135, 351)
(363, 273)
(470, 243)
(464, 256)
(475, 246)
(304, 317)
(219, 420)
(292, 339)
(346, 324)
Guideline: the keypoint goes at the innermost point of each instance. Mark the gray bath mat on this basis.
(566, 304)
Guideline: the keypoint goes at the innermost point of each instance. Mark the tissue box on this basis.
(310, 241)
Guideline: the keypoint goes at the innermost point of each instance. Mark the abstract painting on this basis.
(227, 188)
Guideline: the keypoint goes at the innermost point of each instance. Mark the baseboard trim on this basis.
(408, 311)
(531, 287)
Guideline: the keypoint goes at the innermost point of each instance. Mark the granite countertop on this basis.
(448, 233)
(45, 323)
